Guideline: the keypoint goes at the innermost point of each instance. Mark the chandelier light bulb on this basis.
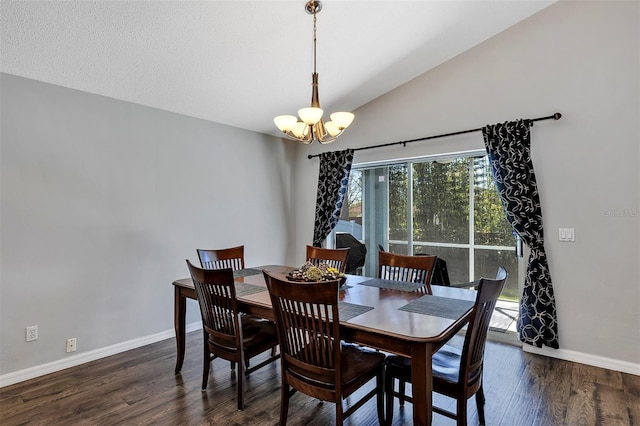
(310, 115)
(300, 130)
(342, 119)
(331, 128)
(285, 123)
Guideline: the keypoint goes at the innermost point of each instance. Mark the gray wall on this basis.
(102, 202)
(578, 58)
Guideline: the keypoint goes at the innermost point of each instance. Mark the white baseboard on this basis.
(74, 360)
(582, 358)
(81, 358)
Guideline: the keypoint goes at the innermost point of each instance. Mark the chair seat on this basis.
(358, 362)
(445, 364)
(257, 332)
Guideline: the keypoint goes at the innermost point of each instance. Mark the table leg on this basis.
(179, 324)
(422, 384)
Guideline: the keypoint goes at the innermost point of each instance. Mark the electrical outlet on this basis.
(32, 333)
(71, 344)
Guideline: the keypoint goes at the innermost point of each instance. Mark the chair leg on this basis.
(284, 403)
(339, 418)
(240, 379)
(205, 373)
(206, 362)
(401, 391)
(461, 413)
(380, 396)
(388, 389)
(480, 404)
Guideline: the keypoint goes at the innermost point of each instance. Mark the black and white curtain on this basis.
(508, 146)
(333, 180)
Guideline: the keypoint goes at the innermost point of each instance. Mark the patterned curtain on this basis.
(508, 146)
(332, 187)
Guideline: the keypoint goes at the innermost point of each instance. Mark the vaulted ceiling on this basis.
(241, 63)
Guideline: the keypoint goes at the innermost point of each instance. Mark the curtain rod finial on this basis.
(557, 116)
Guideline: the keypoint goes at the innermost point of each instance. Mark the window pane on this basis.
(441, 201)
(491, 226)
(457, 261)
(351, 214)
(399, 248)
(398, 187)
(486, 264)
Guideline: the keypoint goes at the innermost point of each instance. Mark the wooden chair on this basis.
(232, 257)
(456, 373)
(228, 334)
(314, 361)
(400, 267)
(336, 258)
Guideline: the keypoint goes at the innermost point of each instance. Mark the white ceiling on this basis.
(238, 62)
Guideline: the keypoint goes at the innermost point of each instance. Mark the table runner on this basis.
(437, 306)
(392, 285)
(246, 272)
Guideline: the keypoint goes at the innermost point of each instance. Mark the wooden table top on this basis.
(386, 317)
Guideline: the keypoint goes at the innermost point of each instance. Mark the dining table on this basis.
(387, 315)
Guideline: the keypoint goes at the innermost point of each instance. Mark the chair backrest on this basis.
(219, 307)
(400, 267)
(308, 327)
(336, 258)
(232, 257)
(476, 336)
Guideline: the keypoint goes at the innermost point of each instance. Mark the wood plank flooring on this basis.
(138, 387)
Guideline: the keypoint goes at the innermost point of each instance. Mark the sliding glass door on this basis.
(446, 206)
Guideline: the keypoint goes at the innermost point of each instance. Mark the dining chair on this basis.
(232, 257)
(456, 373)
(228, 334)
(336, 258)
(313, 359)
(400, 267)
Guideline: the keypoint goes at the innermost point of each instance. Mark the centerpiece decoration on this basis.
(309, 272)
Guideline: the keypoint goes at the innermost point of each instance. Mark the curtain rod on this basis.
(555, 116)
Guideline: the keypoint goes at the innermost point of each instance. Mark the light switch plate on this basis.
(566, 234)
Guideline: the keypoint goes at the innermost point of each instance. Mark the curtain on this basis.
(333, 180)
(508, 146)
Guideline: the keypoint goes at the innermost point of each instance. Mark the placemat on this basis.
(392, 285)
(246, 272)
(351, 310)
(244, 289)
(437, 306)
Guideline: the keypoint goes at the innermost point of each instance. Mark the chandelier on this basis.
(311, 126)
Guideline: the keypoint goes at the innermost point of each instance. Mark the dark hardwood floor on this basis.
(138, 387)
